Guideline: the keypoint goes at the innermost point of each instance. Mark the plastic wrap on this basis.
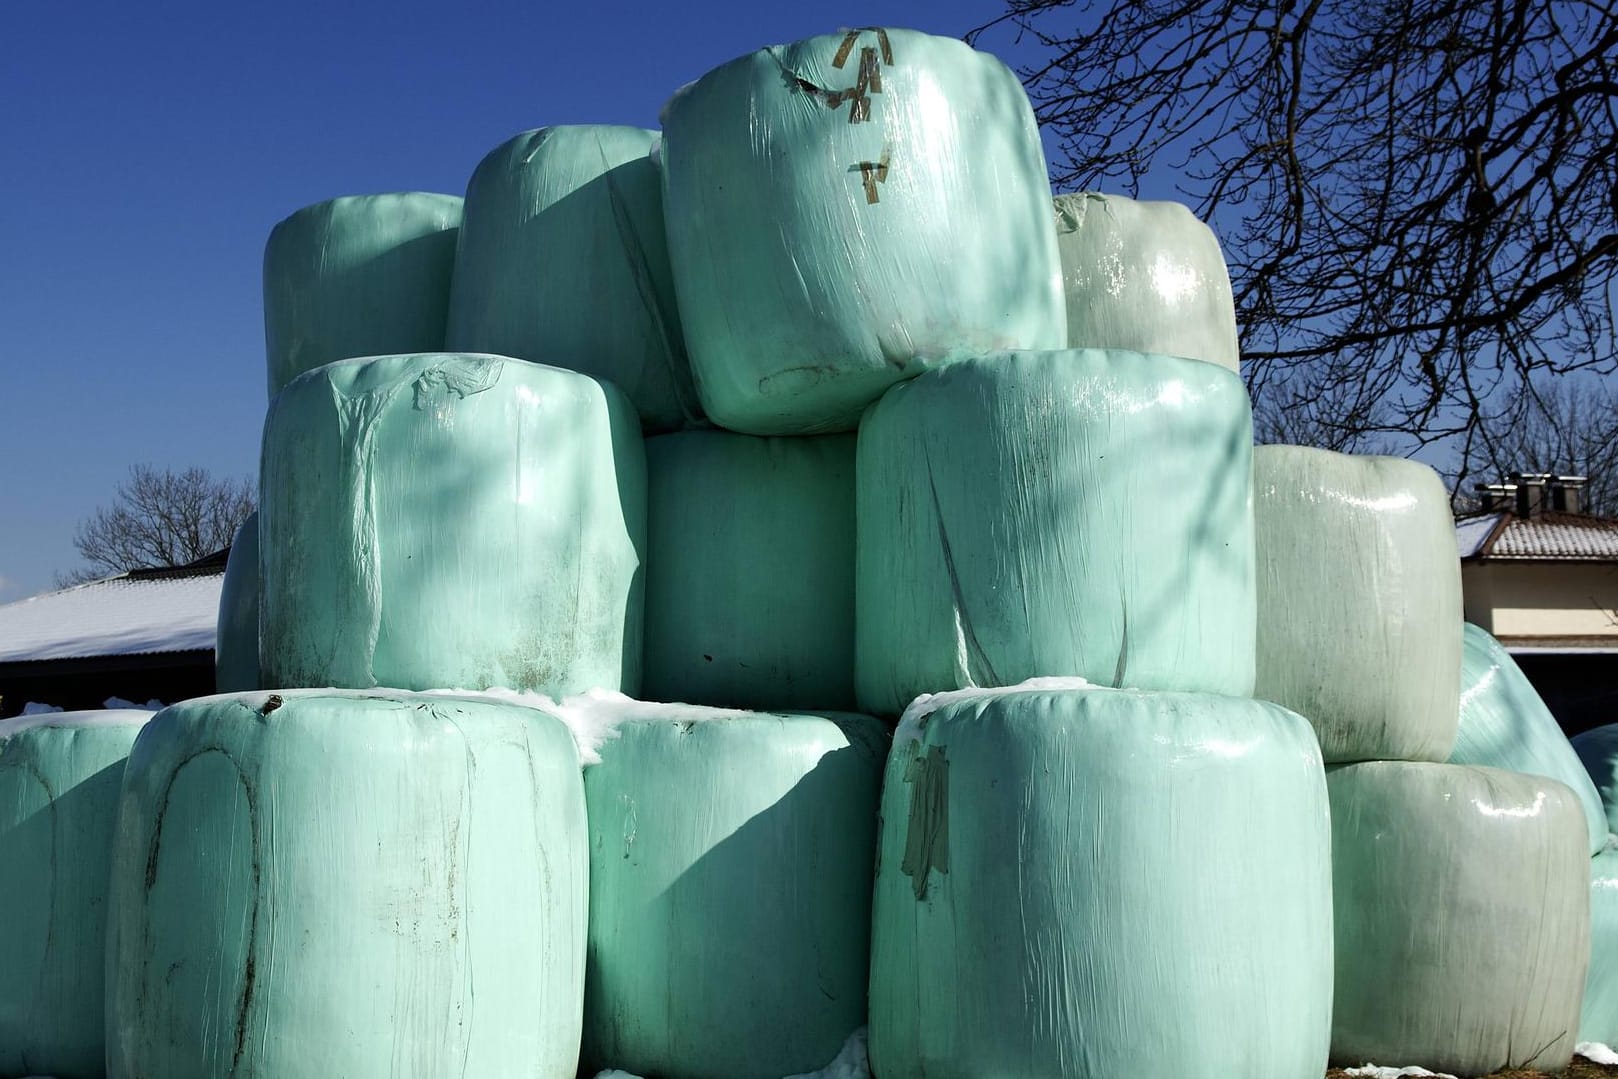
(846, 207)
(1359, 601)
(1102, 883)
(1599, 1020)
(750, 570)
(562, 260)
(358, 276)
(312, 883)
(1505, 724)
(59, 777)
(1144, 276)
(1055, 513)
(235, 657)
(1462, 899)
(451, 520)
(1598, 752)
(730, 891)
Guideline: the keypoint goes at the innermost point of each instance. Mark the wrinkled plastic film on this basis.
(1078, 513)
(750, 571)
(1359, 601)
(1103, 883)
(730, 891)
(1505, 724)
(562, 260)
(841, 210)
(1598, 752)
(1599, 1019)
(315, 884)
(1144, 276)
(1462, 899)
(236, 639)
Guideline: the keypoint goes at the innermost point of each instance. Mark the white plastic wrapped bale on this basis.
(1086, 882)
(235, 658)
(845, 208)
(1462, 900)
(358, 276)
(1359, 601)
(750, 570)
(59, 779)
(1505, 724)
(1599, 1020)
(562, 260)
(317, 883)
(1144, 276)
(1031, 514)
(451, 520)
(730, 890)
(1598, 752)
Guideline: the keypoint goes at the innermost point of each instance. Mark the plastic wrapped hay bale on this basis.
(236, 641)
(1598, 752)
(1462, 899)
(1359, 601)
(1599, 1020)
(1079, 513)
(562, 260)
(1144, 276)
(846, 207)
(1085, 882)
(358, 276)
(314, 883)
(59, 777)
(730, 890)
(750, 579)
(451, 520)
(1505, 724)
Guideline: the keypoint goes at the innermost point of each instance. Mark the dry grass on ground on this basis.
(1581, 1069)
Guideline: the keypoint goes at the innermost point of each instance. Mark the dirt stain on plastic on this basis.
(927, 836)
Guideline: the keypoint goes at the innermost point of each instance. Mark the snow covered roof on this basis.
(1544, 537)
(1472, 532)
(137, 613)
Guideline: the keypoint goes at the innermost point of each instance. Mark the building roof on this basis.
(137, 613)
(1546, 537)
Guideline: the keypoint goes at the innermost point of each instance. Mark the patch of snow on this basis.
(1371, 1071)
(911, 722)
(100, 717)
(614, 1073)
(118, 616)
(153, 705)
(850, 1063)
(34, 708)
(1596, 1052)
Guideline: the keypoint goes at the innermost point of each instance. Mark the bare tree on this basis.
(161, 519)
(1418, 198)
(1568, 428)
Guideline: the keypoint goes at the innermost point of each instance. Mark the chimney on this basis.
(1494, 497)
(1567, 494)
(1530, 492)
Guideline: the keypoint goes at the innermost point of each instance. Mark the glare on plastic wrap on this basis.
(1032, 514)
(311, 884)
(1462, 900)
(1359, 601)
(1144, 276)
(1505, 724)
(730, 891)
(236, 641)
(1101, 883)
(1598, 752)
(448, 520)
(358, 276)
(59, 781)
(845, 208)
(562, 260)
(750, 570)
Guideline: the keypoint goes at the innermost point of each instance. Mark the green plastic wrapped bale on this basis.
(1081, 513)
(1462, 900)
(1599, 1021)
(358, 276)
(1359, 601)
(750, 579)
(1144, 276)
(59, 779)
(1505, 724)
(730, 890)
(562, 260)
(842, 210)
(312, 883)
(448, 520)
(1598, 752)
(235, 663)
(1099, 883)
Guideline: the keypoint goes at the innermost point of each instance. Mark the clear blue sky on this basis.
(148, 149)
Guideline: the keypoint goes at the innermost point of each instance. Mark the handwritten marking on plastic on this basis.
(927, 836)
(871, 174)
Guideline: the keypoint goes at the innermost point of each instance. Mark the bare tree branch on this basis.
(160, 519)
